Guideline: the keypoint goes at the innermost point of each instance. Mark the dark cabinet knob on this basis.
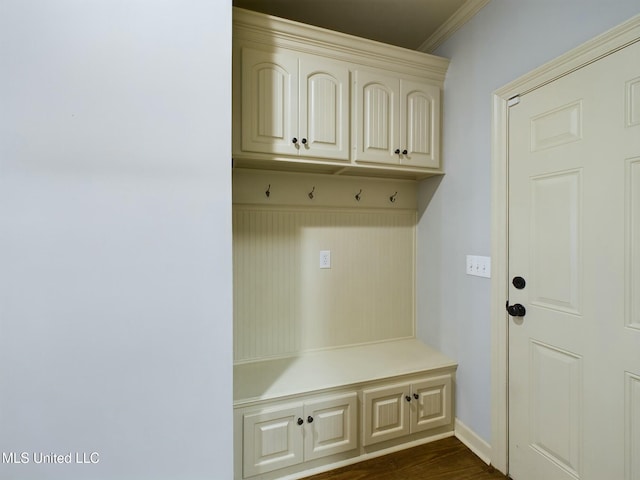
(304, 141)
(310, 419)
(300, 421)
(294, 140)
(404, 152)
(416, 396)
(519, 282)
(397, 152)
(407, 398)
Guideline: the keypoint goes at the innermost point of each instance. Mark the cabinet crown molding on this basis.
(280, 32)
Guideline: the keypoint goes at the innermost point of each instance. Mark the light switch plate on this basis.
(479, 266)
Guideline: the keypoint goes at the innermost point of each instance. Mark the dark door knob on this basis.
(404, 152)
(416, 396)
(407, 398)
(310, 419)
(304, 141)
(516, 310)
(294, 140)
(519, 282)
(300, 421)
(397, 152)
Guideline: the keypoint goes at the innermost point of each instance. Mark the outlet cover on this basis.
(325, 258)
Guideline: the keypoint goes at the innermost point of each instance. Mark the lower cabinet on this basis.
(285, 435)
(394, 411)
(321, 429)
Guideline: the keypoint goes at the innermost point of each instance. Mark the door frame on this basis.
(609, 42)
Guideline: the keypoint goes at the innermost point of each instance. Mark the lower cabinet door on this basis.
(433, 402)
(331, 425)
(272, 439)
(385, 413)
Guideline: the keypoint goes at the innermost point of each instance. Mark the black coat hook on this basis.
(358, 195)
(392, 198)
(268, 192)
(311, 193)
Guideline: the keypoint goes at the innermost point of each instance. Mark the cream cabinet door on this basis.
(419, 124)
(331, 426)
(269, 102)
(377, 126)
(401, 409)
(324, 109)
(431, 403)
(272, 439)
(385, 413)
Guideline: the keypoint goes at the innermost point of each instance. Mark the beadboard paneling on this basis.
(284, 303)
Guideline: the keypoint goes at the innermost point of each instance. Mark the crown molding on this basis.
(448, 28)
(266, 30)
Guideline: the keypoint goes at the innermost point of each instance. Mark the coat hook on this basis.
(268, 192)
(311, 193)
(392, 198)
(358, 195)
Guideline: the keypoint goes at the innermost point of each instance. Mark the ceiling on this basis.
(413, 24)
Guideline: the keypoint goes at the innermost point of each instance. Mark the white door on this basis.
(574, 238)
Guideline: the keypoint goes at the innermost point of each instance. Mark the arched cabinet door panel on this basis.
(269, 102)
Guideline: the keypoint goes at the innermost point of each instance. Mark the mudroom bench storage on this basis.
(320, 410)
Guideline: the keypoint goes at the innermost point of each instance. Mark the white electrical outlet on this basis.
(325, 258)
(479, 266)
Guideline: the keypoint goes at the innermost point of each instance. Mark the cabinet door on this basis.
(272, 439)
(385, 413)
(331, 426)
(377, 123)
(432, 408)
(419, 124)
(324, 109)
(269, 101)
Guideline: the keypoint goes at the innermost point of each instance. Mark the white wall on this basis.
(505, 40)
(115, 237)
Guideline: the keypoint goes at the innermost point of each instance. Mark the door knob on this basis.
(519, 282)
(407, 398)
(300, 421)
(310, 419)
(397, 151)
(516, 310)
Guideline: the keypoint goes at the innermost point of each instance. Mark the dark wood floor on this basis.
(446, 459)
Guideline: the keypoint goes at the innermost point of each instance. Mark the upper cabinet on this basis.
(308, 99)
(294, 105)
(397, 120)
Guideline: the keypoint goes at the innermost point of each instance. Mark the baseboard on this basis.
(471, 439)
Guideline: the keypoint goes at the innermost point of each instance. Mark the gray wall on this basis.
(115, 238)
(505, 40)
